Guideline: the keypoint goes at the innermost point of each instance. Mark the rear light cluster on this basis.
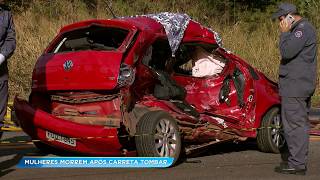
(126, 75)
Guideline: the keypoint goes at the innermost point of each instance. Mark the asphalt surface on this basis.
(315, 114)
(224, 161)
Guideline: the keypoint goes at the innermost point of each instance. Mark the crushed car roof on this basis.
(177, 27)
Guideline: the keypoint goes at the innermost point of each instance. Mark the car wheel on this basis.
(270, 136)
(158, 136)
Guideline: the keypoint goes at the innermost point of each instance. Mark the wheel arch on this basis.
(260, 118)
(141, 109)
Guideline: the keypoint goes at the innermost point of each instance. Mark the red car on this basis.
(124, 86)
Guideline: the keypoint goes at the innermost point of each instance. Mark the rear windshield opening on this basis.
(91, 38)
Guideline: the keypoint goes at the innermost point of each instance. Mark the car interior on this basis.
(164, 65)
(160, 62)
(184, 63)
(91, 38)
(185, 59)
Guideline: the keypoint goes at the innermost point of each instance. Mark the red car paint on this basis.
(35, 122)
(94, 66)
(96, 72)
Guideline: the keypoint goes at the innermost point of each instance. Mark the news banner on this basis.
(95, 162)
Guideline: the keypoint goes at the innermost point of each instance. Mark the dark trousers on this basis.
(294, 114)
(3, 100)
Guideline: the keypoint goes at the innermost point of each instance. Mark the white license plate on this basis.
(65, 140)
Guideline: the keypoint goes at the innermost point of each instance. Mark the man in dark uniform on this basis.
(297, 83)
(7, 46)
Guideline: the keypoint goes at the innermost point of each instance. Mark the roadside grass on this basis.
(36, 27)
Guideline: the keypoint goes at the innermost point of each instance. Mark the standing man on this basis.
(7, 46)
(297, 83)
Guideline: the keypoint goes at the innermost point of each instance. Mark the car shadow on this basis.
(223, 148)
(230, 147)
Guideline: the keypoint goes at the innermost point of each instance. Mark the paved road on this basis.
(315, 114)
(225, 161)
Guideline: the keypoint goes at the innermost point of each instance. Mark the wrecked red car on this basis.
(124, 86)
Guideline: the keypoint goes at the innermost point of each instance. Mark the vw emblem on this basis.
(67, 66)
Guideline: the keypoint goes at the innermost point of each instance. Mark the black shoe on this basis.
(288, 170)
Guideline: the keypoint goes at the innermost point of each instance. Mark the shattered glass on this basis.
(175, 25)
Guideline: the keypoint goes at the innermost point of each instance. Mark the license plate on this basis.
(65, 140)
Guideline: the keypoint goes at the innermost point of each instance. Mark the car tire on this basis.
(158, 136)
(270, 135)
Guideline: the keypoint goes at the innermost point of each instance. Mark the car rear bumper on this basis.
(89, 139)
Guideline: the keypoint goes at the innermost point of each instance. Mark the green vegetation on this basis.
(245, 27)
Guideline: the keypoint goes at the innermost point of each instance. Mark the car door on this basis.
(229, 94)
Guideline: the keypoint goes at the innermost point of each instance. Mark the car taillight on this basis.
(126, 75)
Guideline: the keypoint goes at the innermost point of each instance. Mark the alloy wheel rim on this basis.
(166, 138)
(276, 132)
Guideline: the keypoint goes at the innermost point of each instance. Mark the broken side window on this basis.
(238, 79)
(199, 61)
(253, 73)
(239, 83)
(161, 54)
(166, 88)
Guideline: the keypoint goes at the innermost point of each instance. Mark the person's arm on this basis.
(9, 44)
(291, 44)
